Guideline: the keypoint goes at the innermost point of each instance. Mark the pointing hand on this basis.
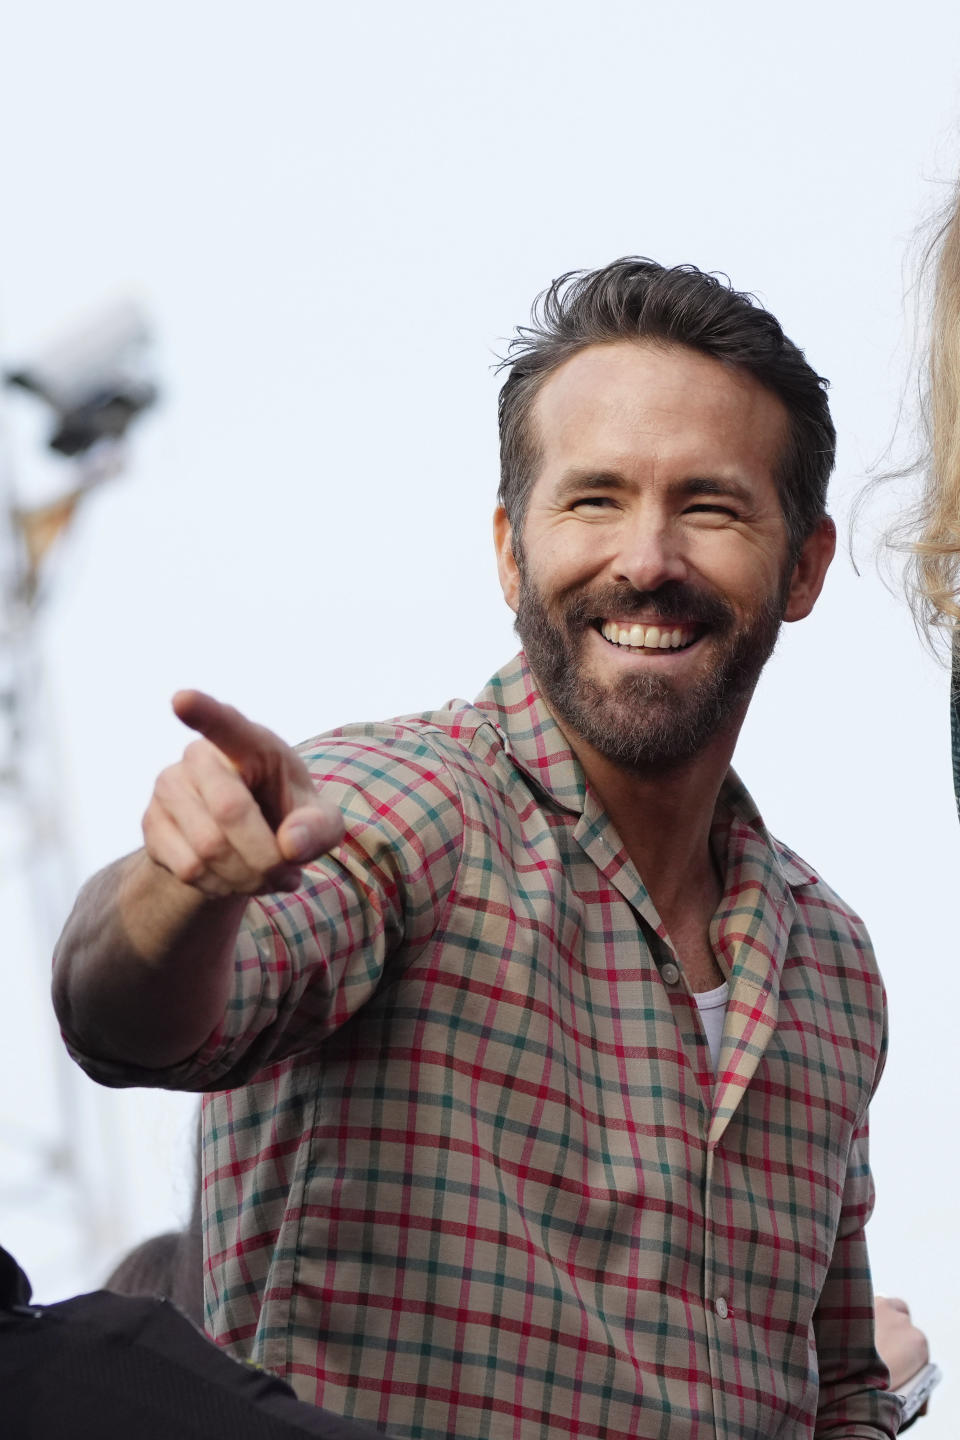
(239, 813)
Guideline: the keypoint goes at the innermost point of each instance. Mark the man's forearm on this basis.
(143, 969)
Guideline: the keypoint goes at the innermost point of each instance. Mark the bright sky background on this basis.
(335, 216)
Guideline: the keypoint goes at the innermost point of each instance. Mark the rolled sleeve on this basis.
(855, 1403)
(306, 962)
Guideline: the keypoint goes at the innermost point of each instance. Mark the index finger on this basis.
(232, 733)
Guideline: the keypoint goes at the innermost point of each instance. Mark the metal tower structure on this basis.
(54, 1147)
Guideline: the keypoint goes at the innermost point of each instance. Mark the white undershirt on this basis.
(712, 1005)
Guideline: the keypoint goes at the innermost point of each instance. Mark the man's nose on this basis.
(651, 552)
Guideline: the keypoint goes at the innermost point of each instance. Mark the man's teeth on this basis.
(645, 637)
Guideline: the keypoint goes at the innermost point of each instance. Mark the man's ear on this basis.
(506, 560)
(810, 570)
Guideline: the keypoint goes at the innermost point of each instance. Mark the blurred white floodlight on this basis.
(95, 381)
(94, 377)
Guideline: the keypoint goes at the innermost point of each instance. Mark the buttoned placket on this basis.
(768, 901)
(750, 935)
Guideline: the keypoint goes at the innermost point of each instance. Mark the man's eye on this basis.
(707, 509)
(592, 502)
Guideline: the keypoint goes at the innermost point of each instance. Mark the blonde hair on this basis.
(933, 568)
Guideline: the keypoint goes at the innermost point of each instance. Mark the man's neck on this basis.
(664, 820)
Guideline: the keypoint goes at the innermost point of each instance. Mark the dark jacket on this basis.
(112, 1367)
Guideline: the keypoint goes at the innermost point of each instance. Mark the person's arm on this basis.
(855, 1403)
(903, 1348)
(142, 971)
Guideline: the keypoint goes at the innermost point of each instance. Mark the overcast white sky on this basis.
(335, 215)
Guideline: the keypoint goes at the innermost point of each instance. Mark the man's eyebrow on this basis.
(573, 481)
(711, 485)
(576, 480)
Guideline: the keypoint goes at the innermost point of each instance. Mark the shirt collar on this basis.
(537, 746)
(531, 737)
(737, 809)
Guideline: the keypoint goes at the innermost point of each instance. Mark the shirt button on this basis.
(721, 1307)
(670, 973)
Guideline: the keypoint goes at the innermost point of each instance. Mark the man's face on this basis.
(653, 572)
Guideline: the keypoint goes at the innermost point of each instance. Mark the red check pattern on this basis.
(469, 1171)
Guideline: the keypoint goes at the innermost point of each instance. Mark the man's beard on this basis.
(647, 723)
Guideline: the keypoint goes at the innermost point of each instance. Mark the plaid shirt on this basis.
(479, 1178)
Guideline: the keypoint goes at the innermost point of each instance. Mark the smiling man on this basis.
(539, 1072)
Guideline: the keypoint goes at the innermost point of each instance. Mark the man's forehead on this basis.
(644, 392)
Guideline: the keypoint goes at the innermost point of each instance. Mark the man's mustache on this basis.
(673, 600)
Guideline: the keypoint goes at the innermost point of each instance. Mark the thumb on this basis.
(309, 831)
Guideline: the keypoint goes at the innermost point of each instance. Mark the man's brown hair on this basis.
(637, 299)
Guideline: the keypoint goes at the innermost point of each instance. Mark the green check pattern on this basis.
(955, 717)
(468, 1169)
